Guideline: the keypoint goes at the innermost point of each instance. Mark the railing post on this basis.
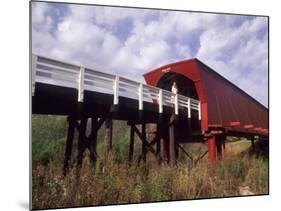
(33, 73)
(140, 96)
(81, 85)
(199, 110)
(188, 108)
(160, 101)
(176, 105)
(116, 90)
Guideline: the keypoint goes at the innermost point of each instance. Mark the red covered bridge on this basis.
(226, 110)
(207, 108)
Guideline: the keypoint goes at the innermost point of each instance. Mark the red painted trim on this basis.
(234, 123)
(214, 125)
(248, 126)
(169, 65)
(204, 117)
(212, 149)
(264, 130)
(251, 118)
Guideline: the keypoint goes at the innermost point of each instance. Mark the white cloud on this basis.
(85, 36)
(238, 54)
(39, 12)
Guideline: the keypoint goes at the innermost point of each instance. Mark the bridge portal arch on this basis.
(185, 85)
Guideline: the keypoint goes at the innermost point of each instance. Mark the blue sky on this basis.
(130, 42)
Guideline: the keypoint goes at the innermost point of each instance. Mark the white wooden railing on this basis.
(49, 71)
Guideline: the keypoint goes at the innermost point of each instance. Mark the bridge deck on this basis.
(61, 88)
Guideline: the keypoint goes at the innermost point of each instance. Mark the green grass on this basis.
(119, 182)
(48, 136)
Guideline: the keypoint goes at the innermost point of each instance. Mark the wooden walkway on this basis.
(83, 94)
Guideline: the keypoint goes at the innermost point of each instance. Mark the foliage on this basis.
(114, 180)
(48, 136)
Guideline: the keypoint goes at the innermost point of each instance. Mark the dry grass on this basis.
(124, 183)
(118, 182)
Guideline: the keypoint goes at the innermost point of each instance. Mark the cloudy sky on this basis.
(130, 42)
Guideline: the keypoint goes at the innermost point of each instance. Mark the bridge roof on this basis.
(223, 104)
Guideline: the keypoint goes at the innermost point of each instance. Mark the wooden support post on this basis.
(165, 152)
(212, 149)
(69, 144)
(160, 131)
(143, 142)
(223, 147)
(219, 147)
(93, 139)
(81, 141)
(163, 148)
(172, 140)
(176, 150)
(253, 145)
(132, 140)
(158, 135)
(224, 151)
(108, 136)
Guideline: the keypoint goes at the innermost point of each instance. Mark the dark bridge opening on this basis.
(185, 130)
(185, 85)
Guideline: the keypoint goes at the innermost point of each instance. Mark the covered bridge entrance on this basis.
(226, 110)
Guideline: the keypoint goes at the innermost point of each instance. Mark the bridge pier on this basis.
(158, 135)
(172, 140)
(69, 144)
(81, 140)
(158, 143)
(90, 141)
(108, 136)
(216, 147)
(107, 140)
(142, 136)
(253, 146)
(147, 145)
(144, 151)
(162, 145)
(224, 147)
(165, 149)
(132, 142)
(212, 149)
(84, 141)
(219, 140)
(92, 145)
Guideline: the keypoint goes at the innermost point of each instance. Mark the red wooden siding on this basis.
(222, 103)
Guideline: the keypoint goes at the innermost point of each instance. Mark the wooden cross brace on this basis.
(147, 144)
(194, 161)
(84, 141)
